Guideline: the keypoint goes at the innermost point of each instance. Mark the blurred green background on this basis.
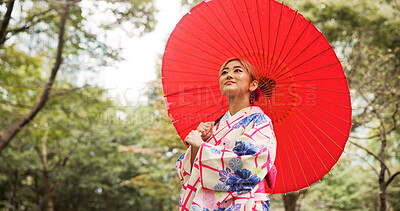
(69, 146)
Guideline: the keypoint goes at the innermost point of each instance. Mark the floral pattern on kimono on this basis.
(229, 168)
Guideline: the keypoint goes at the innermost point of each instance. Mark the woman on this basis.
(226, 163)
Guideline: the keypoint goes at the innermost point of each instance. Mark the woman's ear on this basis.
(253, 85)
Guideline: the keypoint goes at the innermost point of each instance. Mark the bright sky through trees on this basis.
(126, 81)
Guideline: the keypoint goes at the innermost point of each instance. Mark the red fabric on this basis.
(310, 105)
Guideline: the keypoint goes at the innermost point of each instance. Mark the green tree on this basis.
(62, 26)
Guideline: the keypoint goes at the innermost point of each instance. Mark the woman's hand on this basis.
(205, 128)
(194, 139)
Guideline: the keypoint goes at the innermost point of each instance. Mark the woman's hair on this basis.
(255, 95)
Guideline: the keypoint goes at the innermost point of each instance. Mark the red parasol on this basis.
(305, 91)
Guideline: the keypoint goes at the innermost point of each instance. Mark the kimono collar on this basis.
(243, 112)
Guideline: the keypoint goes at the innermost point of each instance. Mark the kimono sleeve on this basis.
(183, 166)
(243, 167)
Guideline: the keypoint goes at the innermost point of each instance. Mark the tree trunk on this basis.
(17, 126)
(5, 22)
(290, 201)
(49, 195)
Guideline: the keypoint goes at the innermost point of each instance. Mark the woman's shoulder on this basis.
(258, 114)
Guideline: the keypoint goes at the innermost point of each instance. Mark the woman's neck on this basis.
(237, 103)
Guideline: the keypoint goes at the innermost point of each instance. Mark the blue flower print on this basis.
(215, 151)
(265, 206)
(235, 207)
(224, 174)
(220, 187)
(242, 177)
(257, 119)
(181, 157)
(235, 164)
(195, 208)
(245, 148)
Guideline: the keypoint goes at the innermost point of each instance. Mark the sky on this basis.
(127, 80)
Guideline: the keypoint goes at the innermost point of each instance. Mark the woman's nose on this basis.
(229, 75)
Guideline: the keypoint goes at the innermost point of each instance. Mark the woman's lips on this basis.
(229, 82)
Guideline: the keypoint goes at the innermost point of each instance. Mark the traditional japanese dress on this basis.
(229, 169)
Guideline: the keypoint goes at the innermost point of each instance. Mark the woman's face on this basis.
(234, 80)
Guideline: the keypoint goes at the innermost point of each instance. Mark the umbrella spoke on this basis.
(209, 36)
(328, 101)
(195, 56)
(276, 72)
(189, 63)
(308, 71)
(304, 153)
(278, 75)
(244, 29)
(197, 47)
(329, 125)
(317, 79)
(284, 43)
(291, 48)
(226, 30)
(305, 138)
(262, 39)
(187, 91)
(289, 161)
(186, 72)
(314, 134)
(311, 146)
(276, 40)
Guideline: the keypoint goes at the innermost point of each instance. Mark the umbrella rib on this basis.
(276, 40)
(193, 103)
(313, 133)
(262, 40)
(192, 73)
(284, 43)
(344, 106)
(252, 29)
(189, 63)
(320, 35)
(280, 169)
(278, 75)
(328, 90)
(269, 31)
(205, 32)
(187, 91)
(317, 79)
(297, 157)
(287, 155)
(305, 138)
(200, 120)
(247, 36)
(304, 152)
(329, 125)
(186, 82)
(226, 30)
(308, 71)
(298, 38)
(197, 47)
(223, 37)
(301, 145)
(195, 56)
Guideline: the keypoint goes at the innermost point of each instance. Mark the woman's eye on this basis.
(238, 70)
(224, 72)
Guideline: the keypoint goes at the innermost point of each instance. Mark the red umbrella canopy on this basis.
(304, 89)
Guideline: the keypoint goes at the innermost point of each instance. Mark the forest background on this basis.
(69, 146)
